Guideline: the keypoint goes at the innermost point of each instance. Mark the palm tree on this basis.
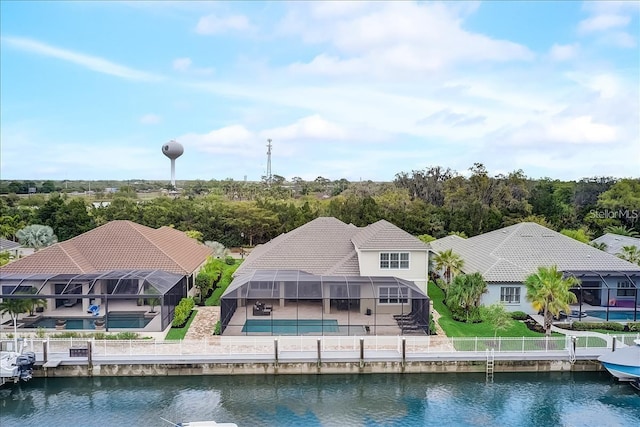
(630, 253)
(14, 307)
(550, 293)
(450, 262)
(465, 293)
(36, 236)
(602, 246)
(621, 230)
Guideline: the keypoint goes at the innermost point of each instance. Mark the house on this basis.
(359, 277)
(505, 258)
(615, 242)
(119, 270)
(15, 249)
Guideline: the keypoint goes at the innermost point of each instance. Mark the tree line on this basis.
(433, 202)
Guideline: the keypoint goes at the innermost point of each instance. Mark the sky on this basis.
(355, 90)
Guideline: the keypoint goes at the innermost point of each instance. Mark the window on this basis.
(393, 295)
(394, 260)
(510, 294)
(625, 289)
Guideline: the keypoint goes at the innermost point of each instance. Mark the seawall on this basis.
(291, 368)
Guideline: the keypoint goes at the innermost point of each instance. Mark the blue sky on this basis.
(356, 90)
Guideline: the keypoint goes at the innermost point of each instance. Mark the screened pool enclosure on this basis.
(150, 294)
(294, 302)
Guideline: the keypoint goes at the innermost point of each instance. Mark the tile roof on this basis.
(327, 246)
(7, 245)
(512, 253)
(117, 245)
(383, 235)
(615, 242)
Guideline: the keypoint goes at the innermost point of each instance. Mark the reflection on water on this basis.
(549, 399)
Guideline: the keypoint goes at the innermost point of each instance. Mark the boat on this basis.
(624, 363)
(16, 366)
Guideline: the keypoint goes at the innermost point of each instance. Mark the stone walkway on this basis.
(204, 324)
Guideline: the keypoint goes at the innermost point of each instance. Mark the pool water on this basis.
(115, 321)
(621, 315)
(291, 326)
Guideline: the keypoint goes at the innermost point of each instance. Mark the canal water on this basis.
(542, 399)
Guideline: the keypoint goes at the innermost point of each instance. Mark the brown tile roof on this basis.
(117, 245)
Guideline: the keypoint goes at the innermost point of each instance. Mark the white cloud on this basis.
(94, 63)
(150, 119)
(181, 64)
(607, 21)
(606, 85)
(602, 23)
(564, 52)
(213, 24)
(392, 37)
(312, 127)
(185, 65)
(234, 139)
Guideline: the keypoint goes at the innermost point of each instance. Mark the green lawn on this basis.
(454, 328)
(179, 333)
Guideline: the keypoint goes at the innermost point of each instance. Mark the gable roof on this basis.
(512, 253)
(117, 245)
(327, 246)
(383, 235)
(615, 242)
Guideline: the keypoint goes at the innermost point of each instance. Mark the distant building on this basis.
(615, 242)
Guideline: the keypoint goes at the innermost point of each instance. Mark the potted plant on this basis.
(61, 324)
(99, 324)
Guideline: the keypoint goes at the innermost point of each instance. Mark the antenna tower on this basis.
(269, 176)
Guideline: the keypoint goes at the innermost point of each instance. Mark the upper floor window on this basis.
(394, 260)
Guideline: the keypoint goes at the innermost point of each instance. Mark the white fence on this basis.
(242, 347)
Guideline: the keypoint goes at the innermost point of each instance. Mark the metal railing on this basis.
(57, 348)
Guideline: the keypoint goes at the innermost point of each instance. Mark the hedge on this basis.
(587, 326)
(182, 312)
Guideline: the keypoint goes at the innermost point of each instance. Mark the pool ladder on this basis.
(490, 364)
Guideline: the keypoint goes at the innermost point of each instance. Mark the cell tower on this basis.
(173, 150)
(269, 176)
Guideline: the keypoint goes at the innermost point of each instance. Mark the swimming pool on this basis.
(290, 326)
(115, 321)
(620, 315)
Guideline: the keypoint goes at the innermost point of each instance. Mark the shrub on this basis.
(229, 260)
(519, 315)
(182, 312)
(633, 326)
(225, 280)
(587, 326)
(218, 328)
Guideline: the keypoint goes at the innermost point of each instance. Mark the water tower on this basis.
(173, 150)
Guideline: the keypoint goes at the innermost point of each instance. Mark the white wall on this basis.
(369, 262)
(493, 296)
